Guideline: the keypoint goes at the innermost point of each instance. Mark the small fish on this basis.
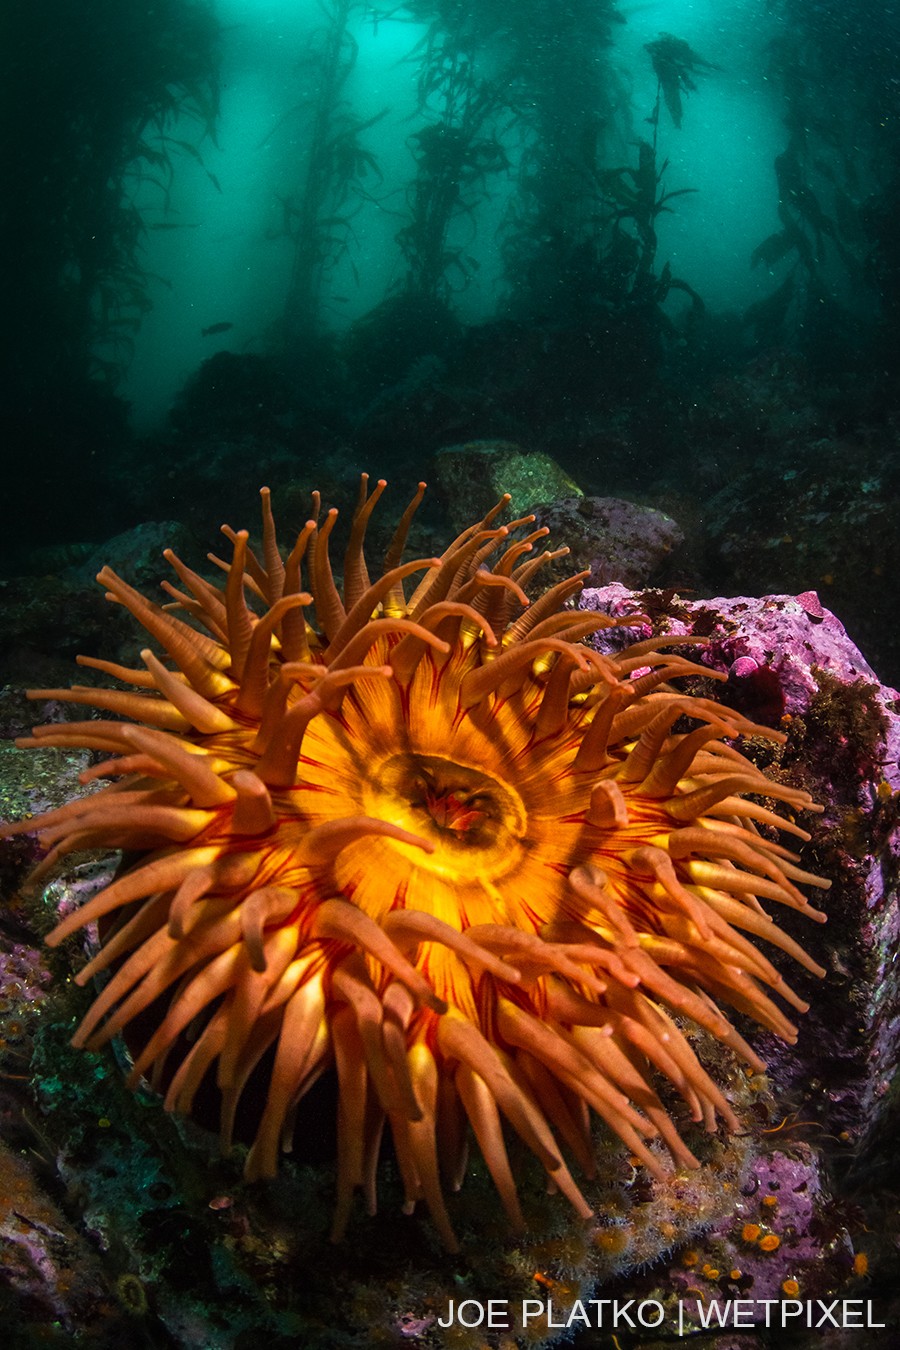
(215, 328)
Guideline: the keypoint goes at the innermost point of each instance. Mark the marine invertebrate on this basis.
(418, 830)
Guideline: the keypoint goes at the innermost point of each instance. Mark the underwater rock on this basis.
(790, 664)
(472, 476)
(54, 1286)
(46, 620)
(50, 1270)
(617, 540)
(136, 553)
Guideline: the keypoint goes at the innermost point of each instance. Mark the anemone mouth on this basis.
(464, 810)
(434, 842)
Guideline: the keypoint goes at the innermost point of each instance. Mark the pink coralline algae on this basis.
(781, 1230)
(790, 636)
(791, 665)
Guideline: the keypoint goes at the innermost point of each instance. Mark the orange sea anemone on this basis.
(418, 831)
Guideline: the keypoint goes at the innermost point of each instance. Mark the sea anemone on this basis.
(416, 830)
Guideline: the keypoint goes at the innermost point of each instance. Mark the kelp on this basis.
(675, 63)
(635, 193)
(104, 84)
(457, 150)
(318, 209)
